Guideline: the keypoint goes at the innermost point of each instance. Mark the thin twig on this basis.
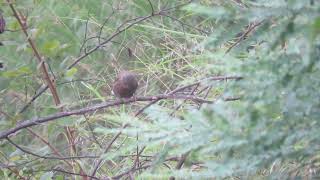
(214, 78)
(72, 173)
(130, 171)
(106, 150)
(151, 6)
(47, 157)
(55, 151)
(244, 35)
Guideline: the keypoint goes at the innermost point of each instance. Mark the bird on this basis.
(125, 85)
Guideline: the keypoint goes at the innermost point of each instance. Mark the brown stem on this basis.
(44, 70)
(245, 34)
(54, 150)
(34, 122)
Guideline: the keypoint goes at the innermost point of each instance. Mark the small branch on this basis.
(244, 35)
(24, 150)
(188, 25)
(91, 131)
(180, 163)
(42, 89)
(106, 150)
(130, 171)
(151, 6)
(214, 78)
(48, 157)
(71, 173)
(75, 62)
(46, 75)
(191, 93)
(55, 151)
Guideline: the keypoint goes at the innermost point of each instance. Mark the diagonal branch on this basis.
(46, 76)
(244, 35)
(33, 122)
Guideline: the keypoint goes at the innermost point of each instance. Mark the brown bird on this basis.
(125, 85)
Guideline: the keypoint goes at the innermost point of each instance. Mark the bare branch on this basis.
(29, 123)
(244, 35)
(214, 78)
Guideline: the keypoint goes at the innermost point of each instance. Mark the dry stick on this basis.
(109, 39)
(107, 149)
(191, 93)
(44, 70)
(191, 85)
(37, 121)
(129, 171)
(71, 173)
(45, 76)
(244, 35)
(91, 131)
(136, 161)
(55, 151)
(180, 163)
(24, 150)
(42, 90)
(47, 157)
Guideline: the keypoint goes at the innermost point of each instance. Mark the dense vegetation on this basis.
(227, 89)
